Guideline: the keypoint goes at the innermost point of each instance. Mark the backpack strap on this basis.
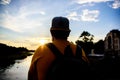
(55, 50)
(78, 52)
(58, 54)
(68, 51)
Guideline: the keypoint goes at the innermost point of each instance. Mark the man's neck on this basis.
(60, 40)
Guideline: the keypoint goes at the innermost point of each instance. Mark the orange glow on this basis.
(43, 41)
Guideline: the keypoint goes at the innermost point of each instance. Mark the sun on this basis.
(43, 41)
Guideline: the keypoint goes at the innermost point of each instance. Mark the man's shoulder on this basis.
(42, 50)
(73, 45)
(42, 47)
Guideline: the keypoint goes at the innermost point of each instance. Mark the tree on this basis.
(99, 47)
(86, 36)
(87, 41)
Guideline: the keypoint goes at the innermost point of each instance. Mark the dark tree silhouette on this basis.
(10, 50)
(8, 54)
(99, 47)
(86, 36)
(87, 41)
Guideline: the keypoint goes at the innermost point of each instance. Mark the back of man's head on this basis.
(60, 27)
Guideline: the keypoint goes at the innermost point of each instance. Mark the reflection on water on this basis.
(18, 71)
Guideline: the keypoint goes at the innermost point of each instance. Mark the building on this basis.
(112, 43)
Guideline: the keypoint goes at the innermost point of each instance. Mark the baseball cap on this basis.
(60, 23)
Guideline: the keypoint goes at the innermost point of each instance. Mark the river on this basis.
(17, 71)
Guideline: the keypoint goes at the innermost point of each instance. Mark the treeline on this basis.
(85, 40)
(103, 68)
(98, 47)
(8, 54)
(10, 50)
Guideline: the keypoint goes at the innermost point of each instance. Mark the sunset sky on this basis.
(26, 23)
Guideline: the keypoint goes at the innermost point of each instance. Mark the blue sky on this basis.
(25, 22)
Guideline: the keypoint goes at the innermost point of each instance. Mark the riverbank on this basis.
(8, 54)
(16, 71)
(7, 60)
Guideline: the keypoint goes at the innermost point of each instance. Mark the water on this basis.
(17, 71)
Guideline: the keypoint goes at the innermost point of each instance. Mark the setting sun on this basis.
(43, 41)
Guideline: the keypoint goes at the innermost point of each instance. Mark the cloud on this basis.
(18, 24)
(116, 4)
(5, 2)
(2, 36)
(21, 21)
(24, 12)
(90, 1)
(88, 15)
(28, 42)
(28, 45)
(73, 16)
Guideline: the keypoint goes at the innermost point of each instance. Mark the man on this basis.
(43, 56)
